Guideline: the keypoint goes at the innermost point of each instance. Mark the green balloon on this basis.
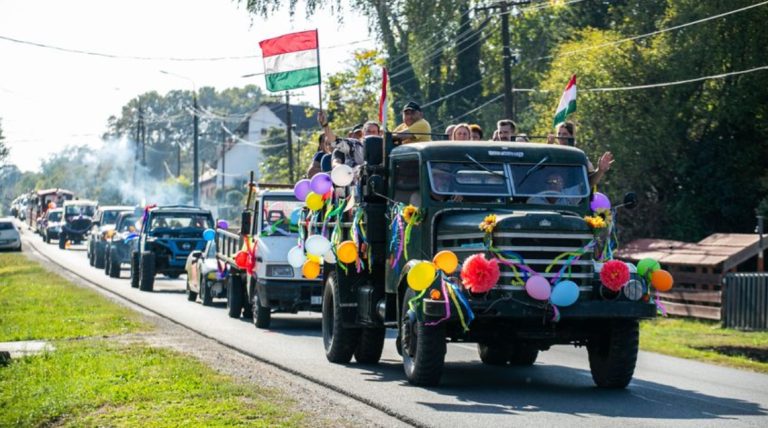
(647, 266)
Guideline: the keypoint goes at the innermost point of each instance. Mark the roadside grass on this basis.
(706, 341)
(37, 304)
(92, 379)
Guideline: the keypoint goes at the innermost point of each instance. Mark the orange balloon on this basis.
(311, 269)
(662, 280)
(446, 261)
(346, 252)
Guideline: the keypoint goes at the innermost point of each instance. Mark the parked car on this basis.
(51, 225)
(104, 221)
(205, 275)
(78, 216)
(10, 238)
(117, 247)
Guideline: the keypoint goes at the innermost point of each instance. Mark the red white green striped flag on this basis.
(567, 102)
(291, 61)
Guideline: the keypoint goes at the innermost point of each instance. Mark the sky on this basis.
(50, 98)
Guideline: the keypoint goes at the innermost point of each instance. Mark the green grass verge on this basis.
(95, 382)
(37, 304)
(706, 341)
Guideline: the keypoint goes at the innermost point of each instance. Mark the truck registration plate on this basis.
(316, 300)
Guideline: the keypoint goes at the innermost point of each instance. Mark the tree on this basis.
(4, 151)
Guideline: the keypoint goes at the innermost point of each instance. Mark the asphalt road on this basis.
(557, 391)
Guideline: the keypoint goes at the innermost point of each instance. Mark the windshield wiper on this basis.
(484, 168)
(533, 169)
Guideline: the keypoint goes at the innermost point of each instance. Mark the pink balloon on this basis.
(321, 183)
(538, 287)
(599, 201)
(301, 189)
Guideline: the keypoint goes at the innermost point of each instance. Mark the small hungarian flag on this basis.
(291, 61)
(567, 102)
(383, 99)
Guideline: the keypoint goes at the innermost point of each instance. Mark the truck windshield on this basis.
(109, 217)
(550, 184)
(85, 210)
(127, 224)
(180, 221)
(54, 216)
(468, 178)
(276, 215)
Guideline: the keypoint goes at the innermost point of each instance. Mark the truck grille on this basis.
(538, 249)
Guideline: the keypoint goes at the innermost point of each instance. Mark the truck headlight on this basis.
(285, 271)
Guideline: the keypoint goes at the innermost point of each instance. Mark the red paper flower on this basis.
(614, 275)
(479, 274)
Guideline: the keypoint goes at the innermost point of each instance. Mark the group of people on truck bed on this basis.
(334, 150)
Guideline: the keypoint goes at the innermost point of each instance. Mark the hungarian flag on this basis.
(291, 61)
(383, 99)
(567, 102)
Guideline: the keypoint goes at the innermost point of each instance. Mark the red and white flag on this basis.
(383, 99)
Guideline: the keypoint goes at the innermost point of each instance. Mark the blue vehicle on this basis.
(117, 249)
(167, 236)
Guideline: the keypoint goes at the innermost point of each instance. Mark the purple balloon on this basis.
(599, 201)
(321, 183)
(222, 224)
(538, 287)
(301, 189)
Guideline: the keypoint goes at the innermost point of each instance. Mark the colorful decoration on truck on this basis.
(404, 217)
(479, 275)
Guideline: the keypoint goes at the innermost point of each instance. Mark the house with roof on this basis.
(242, 153)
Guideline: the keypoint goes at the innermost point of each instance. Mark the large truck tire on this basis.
(134, 269)
(423, 347)
(147, 271)
(62, 241)
(262, 316)
(98, 257)
(205, 292)
(493, 355)
(371, 344)
(339, 341)
(523, 356)
(114, 263)
(613, 354)
(91, 254)
(191, 295)
(107, 266)
(235, 295)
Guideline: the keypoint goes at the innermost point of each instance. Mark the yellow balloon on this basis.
(346, 252)
(421, 276)
(446, 261)
(313, 258)
(311, 269)
(314, 201)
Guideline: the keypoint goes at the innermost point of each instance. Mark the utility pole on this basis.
(141, 136)
(223, 157)
(760, 257)
(178, 159)
(195, 166)
(289, 136)
(505, 8)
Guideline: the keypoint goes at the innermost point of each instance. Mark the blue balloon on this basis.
(295, 214)
(209, 234)
(565, 293)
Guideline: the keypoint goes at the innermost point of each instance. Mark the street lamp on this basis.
(195, 160)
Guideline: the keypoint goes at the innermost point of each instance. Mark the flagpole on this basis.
(320, 74)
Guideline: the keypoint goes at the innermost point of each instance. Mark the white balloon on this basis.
(317, 245)
(296, 257)
(329, 257)
(342, 175)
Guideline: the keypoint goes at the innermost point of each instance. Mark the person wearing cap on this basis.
(414, 127)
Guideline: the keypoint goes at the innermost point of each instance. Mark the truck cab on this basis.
(534, 198)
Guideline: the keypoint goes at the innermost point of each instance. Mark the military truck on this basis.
(273, 285)
(539, 195)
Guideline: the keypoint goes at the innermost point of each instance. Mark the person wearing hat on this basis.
(414, 127)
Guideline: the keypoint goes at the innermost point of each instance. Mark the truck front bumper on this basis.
(290, 296)
(512, 309)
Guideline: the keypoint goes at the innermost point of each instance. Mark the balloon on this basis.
(241, 259)
(421, 276)
(222, 224)
(347, 252)
(632, 268)
(317, 245)
(313, 258)
(342, 175)
(321, 183)
(446, 261)
(209, 234)
(633, 290)
(311, 269)
(538, 287)
(662, 280)
(296, 257)
(314, 201)
(564, 293)
(599, 201)
(301, 189)
(329, 257)
(647, 266)
(295, 215)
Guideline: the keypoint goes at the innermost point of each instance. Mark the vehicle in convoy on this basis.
(10, 238)
(40, 201)
(535, 198)
(273, 285)
(103, 221)
(51, 224)
(117, 248)
(205, 275)
(78, 217)
(167, 236)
